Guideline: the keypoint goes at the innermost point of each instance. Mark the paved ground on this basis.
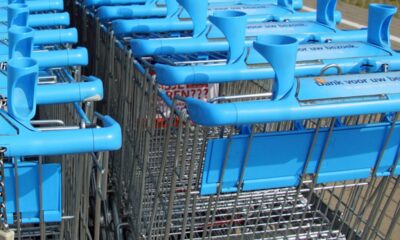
(359, 15)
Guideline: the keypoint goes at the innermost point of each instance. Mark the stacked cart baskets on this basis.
(53, 146)
(243, 119)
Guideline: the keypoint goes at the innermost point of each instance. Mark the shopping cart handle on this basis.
(132, 11)
(45, 5)
(307, 98)
(149, 47)
(126, 27)
(265, 111)
(172, 75)
(26, 141)
(62, 58)
(150, 9)
(55, 36)
(49, 19)
(89, 90)
(94, 3)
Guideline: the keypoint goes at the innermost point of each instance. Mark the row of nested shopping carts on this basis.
(247, 119)
(53, 145)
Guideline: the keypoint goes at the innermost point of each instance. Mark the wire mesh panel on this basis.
(76, 169)
(160, 179)
(84, 178)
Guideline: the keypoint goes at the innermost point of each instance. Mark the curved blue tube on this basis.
(22, 77)
(90, 90)
(325, 8)
(379, 18)
(49, 19)
(45, 5)
(109, 137)
(17, 14)
(62, 58)
(233, 25)
(55, 36)
(20, 41)
(106, 138)
(272, 48)
(198, 13)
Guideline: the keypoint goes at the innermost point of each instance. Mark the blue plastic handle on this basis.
(45, 5)
(132, 11)
(59, 142)
(13, 1)
(149, 9)
(55, 36)
(252, 112)
(110, 2)
(49, 19)
(89, 90)
(62, 58)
